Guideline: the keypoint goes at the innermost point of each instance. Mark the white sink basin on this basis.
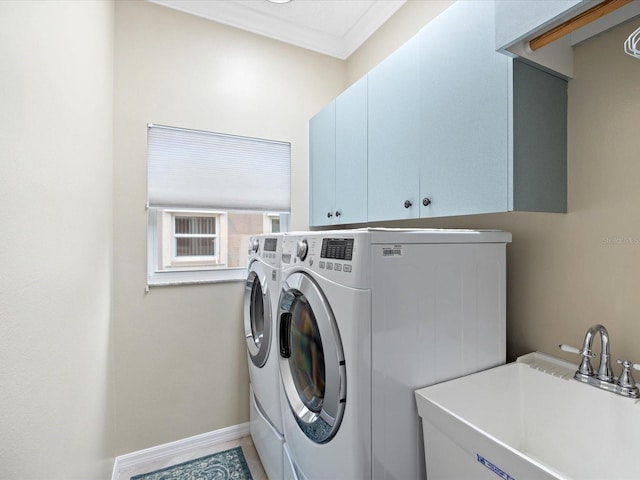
(528, 420)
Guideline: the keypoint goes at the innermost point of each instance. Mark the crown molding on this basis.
(341, 44)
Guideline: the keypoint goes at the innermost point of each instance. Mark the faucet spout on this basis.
(605, 373)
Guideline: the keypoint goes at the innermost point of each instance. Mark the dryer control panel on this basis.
(337, 248)
(339, 256)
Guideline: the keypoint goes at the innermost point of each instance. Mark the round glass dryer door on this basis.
(312, 363)
(257, 315)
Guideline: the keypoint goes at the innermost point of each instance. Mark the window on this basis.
(192, 239)
(208, 193)
(272, 223)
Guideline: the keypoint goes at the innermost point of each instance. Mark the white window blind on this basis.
(191, 168)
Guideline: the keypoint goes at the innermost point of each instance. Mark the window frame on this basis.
(268, 218)
(168, 260)
(181, 276)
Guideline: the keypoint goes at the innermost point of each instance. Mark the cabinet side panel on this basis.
(539, 140)
(438, 312)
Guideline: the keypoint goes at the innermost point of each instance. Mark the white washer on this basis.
(260, 304)
(366, 317)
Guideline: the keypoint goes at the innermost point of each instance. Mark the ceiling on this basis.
(333, 27)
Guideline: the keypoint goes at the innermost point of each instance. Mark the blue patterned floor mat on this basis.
(227, 465)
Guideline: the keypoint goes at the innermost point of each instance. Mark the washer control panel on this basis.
(270, 244)
(267, 248)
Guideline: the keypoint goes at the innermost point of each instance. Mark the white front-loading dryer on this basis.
(260, 303)
(366, 317)
(325, 367)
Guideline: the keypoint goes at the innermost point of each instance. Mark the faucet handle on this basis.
(585, 369)
(570, 349)
(627, 363)
(625, 380)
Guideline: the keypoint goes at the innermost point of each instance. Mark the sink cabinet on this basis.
(338, 159)
(503, 420)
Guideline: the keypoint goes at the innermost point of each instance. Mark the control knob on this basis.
(303, 249)
(254, 246)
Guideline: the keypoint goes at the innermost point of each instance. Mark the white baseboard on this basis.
(179, 447)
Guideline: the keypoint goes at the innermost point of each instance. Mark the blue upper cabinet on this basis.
(464, 104)
(338, 159)
(394, 136)
(450, 127)
(351, 154)
(322, 166)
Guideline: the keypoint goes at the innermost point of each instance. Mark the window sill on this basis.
(158, 279)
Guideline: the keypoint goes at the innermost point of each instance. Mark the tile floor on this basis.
(250, 454)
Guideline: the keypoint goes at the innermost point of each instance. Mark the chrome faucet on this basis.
(604, 371)
(624, 385)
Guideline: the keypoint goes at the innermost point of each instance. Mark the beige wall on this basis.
(56, 96)
(180, 351)
(567, 272)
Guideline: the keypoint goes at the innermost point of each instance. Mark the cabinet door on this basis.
(394, 136)
(351, 154)
(464, 91)
(322, 166)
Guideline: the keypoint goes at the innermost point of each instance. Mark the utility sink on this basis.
(528, 420)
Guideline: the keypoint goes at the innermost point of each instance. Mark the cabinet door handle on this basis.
(426, 202)
(407, 204)
(338, 213)
(329, 214)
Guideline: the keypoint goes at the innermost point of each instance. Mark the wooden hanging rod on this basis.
(586, 17)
